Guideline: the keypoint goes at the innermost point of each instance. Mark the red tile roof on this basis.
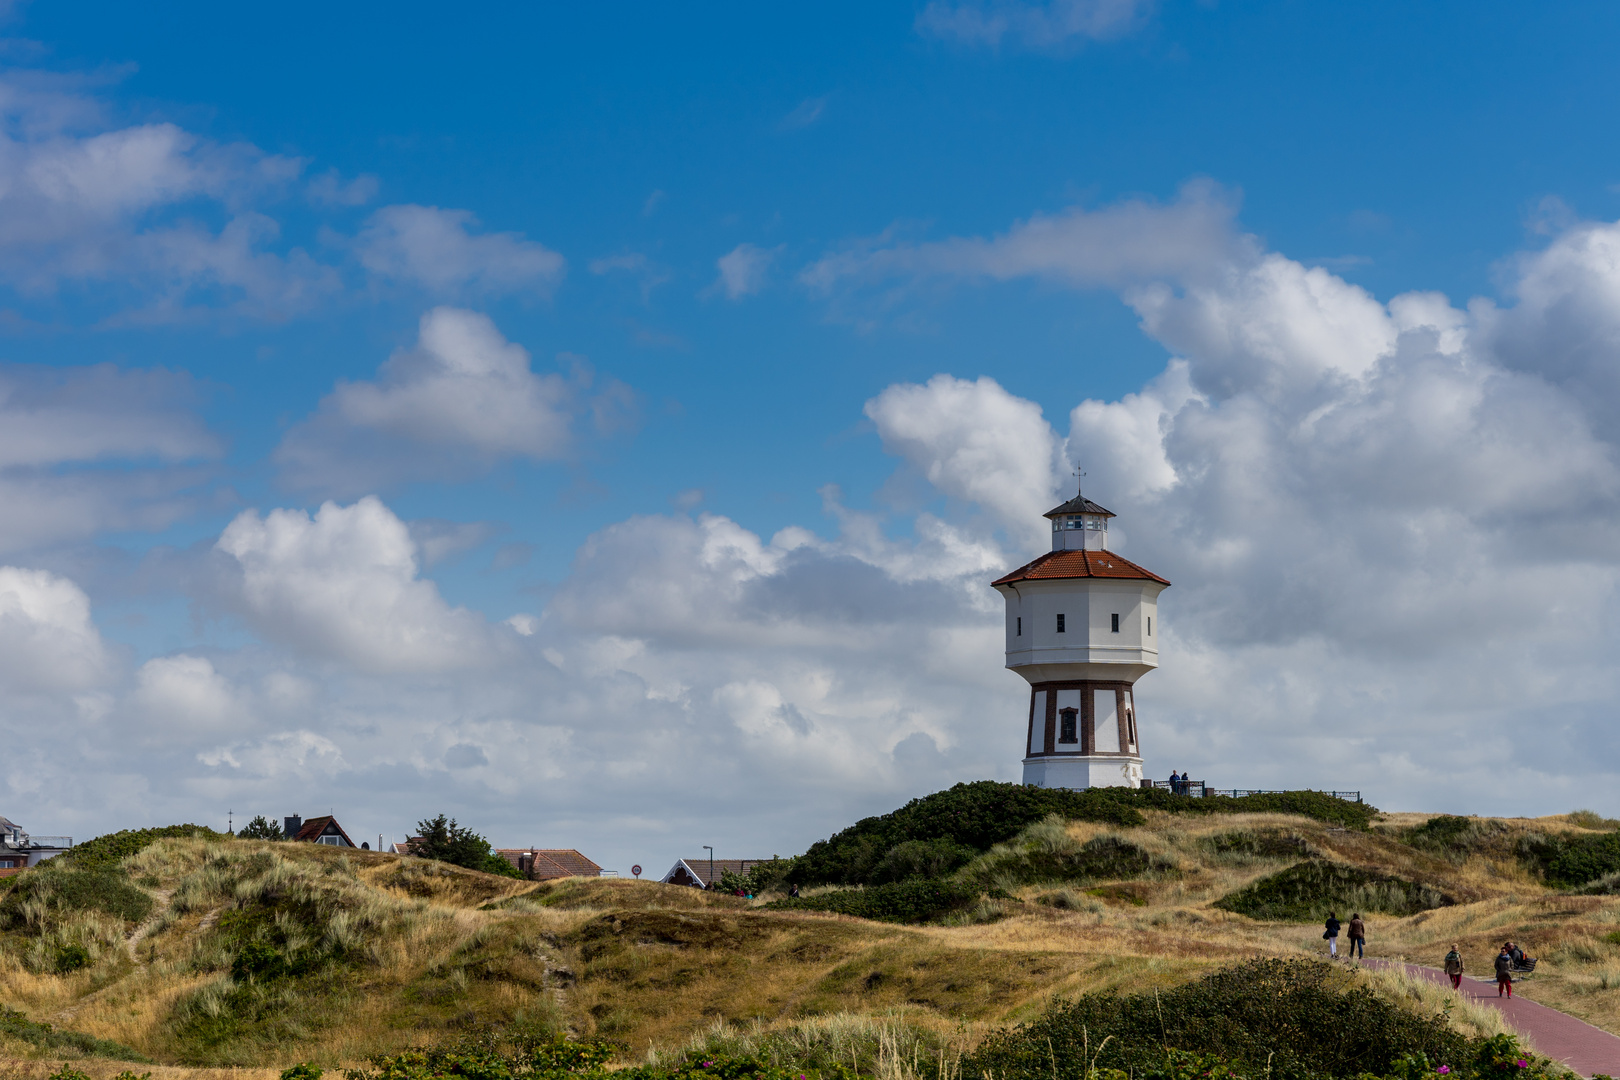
(1079, 564)
(550, 863)
(314, 827)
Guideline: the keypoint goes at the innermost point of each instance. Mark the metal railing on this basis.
(50, 841)
(1199, 789)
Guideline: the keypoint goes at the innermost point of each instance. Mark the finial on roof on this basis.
(1080, 480)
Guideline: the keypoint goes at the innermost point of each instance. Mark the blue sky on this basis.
(728, 240)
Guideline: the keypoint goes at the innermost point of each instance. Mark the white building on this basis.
(1082, 628)
(19, 850)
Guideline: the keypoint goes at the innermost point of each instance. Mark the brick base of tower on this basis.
(1080, 772)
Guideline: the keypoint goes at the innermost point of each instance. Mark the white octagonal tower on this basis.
(1082, 627)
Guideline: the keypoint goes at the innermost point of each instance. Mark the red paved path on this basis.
(1584, 1048)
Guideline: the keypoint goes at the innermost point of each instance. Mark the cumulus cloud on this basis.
(462, 399)
(439, 250)
(743, 270)
(84, 201)
(184, 693)
(1034, 24)
(47, 639)
(344, 584)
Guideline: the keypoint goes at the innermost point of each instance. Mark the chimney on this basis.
(291, 825)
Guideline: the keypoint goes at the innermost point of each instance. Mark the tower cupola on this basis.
(1079, 525)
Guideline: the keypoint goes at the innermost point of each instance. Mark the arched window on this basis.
(1068, 721)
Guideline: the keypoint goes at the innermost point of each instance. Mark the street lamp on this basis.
(710, 850)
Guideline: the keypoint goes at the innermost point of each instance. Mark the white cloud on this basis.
(438, 250)
(462, 399)
(47, 639)
(1034, 24)
(1131, 242)
(743, 270)
(805, 113)
(330, 189)
(344, 585)
(184, 693)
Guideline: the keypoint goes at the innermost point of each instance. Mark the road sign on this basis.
(636, 870)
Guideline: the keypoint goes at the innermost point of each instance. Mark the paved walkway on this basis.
(1586, 1049)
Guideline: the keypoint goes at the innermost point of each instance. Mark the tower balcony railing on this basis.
(1199, 789)
(59, 842)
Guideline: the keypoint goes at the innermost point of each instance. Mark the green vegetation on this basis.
(977, 816)
(917, 901)
(114, 848)
(261, 828)
(1571, 861)
(441, 838)
(15, 1025)
(1310, 890)
(1280, 1018)
(38, 900)
(1046, 852)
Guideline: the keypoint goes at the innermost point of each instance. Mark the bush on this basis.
(1574, 860)
(261, 828)
(302, 1071)
(979, 815)
(913, 901)
(489, 1059)
(497, 865)
(110, 850)
(71, 958)
(1046, 852)
(15, 1025)
(1279, 1018)
(1310, 890)
(444, 840)
(59, 890)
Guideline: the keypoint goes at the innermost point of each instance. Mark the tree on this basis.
(441, 838)
(261, 828)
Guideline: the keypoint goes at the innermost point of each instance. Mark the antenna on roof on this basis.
(1080, 481)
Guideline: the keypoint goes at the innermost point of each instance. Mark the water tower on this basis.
(1082, 627)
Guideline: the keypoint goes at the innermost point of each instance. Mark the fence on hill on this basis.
(1199, 789)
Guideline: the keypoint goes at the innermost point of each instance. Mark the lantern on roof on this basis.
(1081, 629)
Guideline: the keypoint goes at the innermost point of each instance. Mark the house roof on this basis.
(552, 863)
(699, 867)
(316, 826)
(1078, 505)
(1079, 563)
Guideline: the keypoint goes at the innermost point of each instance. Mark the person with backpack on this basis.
(1454, 967)
(1357, 937)
(1331, 936)
(1504, 972)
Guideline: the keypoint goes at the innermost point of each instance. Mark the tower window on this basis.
(1116, 623)
(1150, 626)
(1066, 725)
(1020, 632)
(1060, 624)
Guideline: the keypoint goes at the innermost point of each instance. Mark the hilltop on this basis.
(208, 950)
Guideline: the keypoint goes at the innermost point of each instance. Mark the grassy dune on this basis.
(257, 955)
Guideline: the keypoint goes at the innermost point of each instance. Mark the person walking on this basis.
(1504, 972)
(1454, 967)
(1331, 935)
(1358, 937)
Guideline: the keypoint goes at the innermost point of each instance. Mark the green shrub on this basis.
(1310, 890)
(1591, 819)
(68, 1072)
(1263, 844)
(914, 901)
(71, 958)
(60, 890)
(984, 813)
(1046, 852)
(114, 848)
(497, 865)
(1573, 860)
(15, 1025)
(490, 1059)
(922, 859)
(302, 1071)
(1275, 1018)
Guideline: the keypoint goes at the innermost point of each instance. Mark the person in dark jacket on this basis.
(1358, 937)
(1504, 972)
(1331, 933)
(1454, 967)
